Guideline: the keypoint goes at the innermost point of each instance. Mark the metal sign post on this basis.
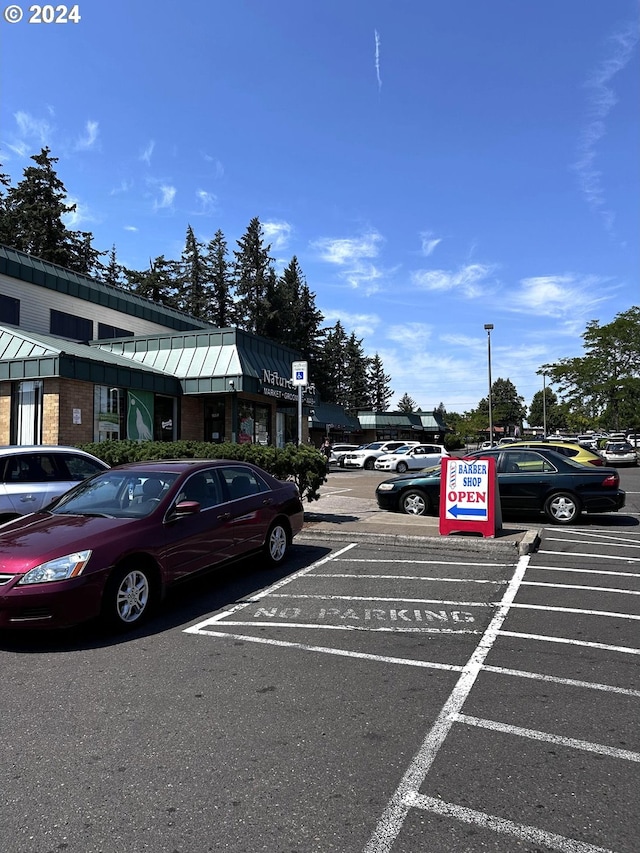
(300, 377)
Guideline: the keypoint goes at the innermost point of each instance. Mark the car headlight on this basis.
(60, 569)
(386, 487)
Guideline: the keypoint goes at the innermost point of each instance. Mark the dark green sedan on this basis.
(529, 481)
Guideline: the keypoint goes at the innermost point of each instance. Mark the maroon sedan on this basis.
(113, 545)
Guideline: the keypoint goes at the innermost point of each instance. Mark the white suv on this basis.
(366, 456)
(411, 458)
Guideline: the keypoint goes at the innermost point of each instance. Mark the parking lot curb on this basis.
(529, 542)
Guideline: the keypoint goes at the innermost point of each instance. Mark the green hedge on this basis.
(305, 465)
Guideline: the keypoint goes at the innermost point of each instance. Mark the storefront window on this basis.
(254, 423)
(109, 413)
(26, 420)
(164, 418)
(214, 418)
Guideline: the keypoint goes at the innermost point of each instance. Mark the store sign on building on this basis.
(283, 388)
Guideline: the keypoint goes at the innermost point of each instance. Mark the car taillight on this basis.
(611, 481)
(596, 461)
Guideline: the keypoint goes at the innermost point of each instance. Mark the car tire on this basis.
(128, 596)
(277, 543)
(562, 508)
(369, 464)
(401, 467)
(415, 502)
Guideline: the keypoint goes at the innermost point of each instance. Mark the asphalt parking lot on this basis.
(365, 697)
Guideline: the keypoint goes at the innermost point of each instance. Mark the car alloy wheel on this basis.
(401, 467)
(414, 502)
(276, 544)
(128, 596)
(562, 508)
(369, 464)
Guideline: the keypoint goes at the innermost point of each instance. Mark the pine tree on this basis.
(220, 300)
(112, 271)
(192, 279)
(251, 274)
(357, 395)
(32, 218)
(407, 404)
(329, 369)
(158, 283)
(379, 385)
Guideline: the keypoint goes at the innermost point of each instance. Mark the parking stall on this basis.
(531, 667)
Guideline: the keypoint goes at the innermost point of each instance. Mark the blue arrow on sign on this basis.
(455, 511)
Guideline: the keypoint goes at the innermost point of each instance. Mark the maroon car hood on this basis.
(34, 539)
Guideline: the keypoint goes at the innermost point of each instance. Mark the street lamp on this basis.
(544, 405)
(489, 327)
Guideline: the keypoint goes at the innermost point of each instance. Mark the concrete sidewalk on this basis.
(339, 516)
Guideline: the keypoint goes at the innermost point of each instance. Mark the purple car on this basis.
(115, 543)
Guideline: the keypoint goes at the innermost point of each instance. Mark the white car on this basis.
(411, 458)
(619, 453)
(32, 476)
(365, 457)
(338, 451)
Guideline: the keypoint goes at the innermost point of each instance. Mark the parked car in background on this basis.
(411, 458)
(529, 481)
(32, 476)
(619, 453)
(571, 449)
(338, 452)
(634, 439)
(114, 544)
(365, 457)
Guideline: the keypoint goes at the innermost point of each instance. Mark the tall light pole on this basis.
(544, 404)
(489, 327)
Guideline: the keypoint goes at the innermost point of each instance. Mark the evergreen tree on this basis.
(158, 283)
(192, 279)
(251, 274)
(507, 407)
(379, 389)
(220, 299)
(407, 404)
(357, 392)
(112, 272)
(329, 373)
(5, 219)
(31, 219)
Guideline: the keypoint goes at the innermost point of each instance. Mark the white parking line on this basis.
(521, 831)
(547, 639)
(591, 556)
(392, 820)
(405, 578)
(548, 609)
(587, 571)
(382, 598)
(581, 586)
(532, 734)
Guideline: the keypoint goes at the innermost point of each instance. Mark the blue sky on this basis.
(434, 166)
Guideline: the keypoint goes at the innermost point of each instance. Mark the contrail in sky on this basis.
(377, 38)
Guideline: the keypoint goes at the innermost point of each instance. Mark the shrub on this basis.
(305, 465)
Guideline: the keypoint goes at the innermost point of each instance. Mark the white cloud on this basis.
(409, 334)
(277, 234)
(601, 100)
(89, 138)
(429, 242)
(558, 296)
(217, 165)
(79, 217)
(362, 324)
(133, 228)
(206, 202)
(377, 59)
(471, 280)
(33, 128)
(124, 187)
(145, 154)
(167, 195)
(346, 250)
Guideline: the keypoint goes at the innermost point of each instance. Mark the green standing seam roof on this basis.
(36, 271)
(30, 355)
